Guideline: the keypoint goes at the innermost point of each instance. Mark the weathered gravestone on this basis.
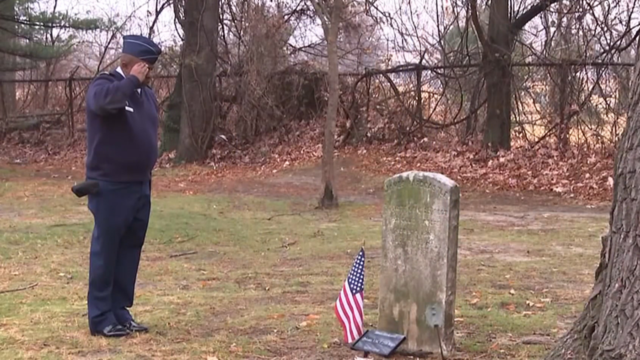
(419, 261)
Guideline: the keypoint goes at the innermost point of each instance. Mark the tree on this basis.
(27, 39)
(497, 52)
(330, 15)
(609, 325)
(199, 77)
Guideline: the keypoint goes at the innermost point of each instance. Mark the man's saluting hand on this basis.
(140, 70)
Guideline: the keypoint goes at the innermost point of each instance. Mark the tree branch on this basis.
(19, 289)
(524, 18)
(473, 4)
(323, 15)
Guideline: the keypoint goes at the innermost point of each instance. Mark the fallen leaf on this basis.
(313, 317)
(212, 358)
(474, 301)
(276, 316)
(510, 307)
(512, 292)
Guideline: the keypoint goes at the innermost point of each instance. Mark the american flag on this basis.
(348, 307)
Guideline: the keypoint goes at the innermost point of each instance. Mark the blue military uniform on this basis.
(122, 149)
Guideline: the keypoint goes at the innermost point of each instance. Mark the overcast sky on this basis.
(165, 31)
(420, 23)
(121, 9)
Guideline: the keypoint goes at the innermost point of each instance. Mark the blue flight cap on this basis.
(141, 47)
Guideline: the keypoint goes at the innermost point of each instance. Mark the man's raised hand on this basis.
(140, 70)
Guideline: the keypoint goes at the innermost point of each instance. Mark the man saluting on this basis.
(122, 149)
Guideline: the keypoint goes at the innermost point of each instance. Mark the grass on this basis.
(264, 288)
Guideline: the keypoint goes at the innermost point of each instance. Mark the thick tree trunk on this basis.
(497, 75)
(561, 101)
(199, 60)
(171, 121)
(329, 198)
(609, 326)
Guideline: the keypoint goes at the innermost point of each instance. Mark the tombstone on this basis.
(419, 261)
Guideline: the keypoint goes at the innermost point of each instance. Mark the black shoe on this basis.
(114, 330)
(135, 327)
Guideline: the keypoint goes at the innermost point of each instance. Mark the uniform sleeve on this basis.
(107, 96)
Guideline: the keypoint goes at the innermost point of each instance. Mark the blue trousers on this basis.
(121, 216)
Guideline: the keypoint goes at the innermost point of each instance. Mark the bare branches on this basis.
(160, 6)
(535, 10)
(473, 4)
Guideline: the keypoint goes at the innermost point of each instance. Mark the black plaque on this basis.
(378, 342)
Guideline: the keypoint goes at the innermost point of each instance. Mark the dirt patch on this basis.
(352, 186)
(498, 252)
(305, 184)
(518, 210)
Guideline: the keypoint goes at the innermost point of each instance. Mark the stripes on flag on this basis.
(349, 305)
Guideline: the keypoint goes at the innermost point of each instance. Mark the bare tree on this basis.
(199, 78)
(497, 48)
(330, 14)
(609, 325)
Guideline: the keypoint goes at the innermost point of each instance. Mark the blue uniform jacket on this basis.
(122, 129)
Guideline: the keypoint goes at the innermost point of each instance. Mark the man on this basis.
(122, 150)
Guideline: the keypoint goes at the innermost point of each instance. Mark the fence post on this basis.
(71, 123)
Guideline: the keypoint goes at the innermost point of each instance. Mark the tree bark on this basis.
(199, 65)
(496, 60)
(609, 326)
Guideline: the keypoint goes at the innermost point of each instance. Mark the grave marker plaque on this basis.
(378, 342)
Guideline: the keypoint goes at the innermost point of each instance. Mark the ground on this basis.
(248, 269)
